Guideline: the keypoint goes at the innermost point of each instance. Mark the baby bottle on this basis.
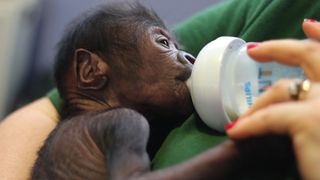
(225, 81)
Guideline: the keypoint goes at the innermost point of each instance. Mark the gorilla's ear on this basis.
(91, 70)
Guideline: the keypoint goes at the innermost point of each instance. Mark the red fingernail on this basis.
(266, 88)
(231, 125)
(252, 45)
(310, 20)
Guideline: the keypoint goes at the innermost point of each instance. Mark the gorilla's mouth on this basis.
(184, 75)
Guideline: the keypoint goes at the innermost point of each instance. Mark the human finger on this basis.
(311, 28)
(280, 92)
(275, 119)
(290, 52)
(299, 121)
(274, 94)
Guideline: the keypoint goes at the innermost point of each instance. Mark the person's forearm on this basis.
(21, 135)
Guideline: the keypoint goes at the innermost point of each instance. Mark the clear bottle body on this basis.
(251, 78)
(225, 81)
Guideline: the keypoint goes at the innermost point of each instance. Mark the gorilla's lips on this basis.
(185, 74)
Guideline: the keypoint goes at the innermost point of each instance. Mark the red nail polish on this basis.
(252, 45)
(310, 20)
(231, 125)
(266, 88)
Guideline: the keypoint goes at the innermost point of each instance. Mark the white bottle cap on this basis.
(209, 84)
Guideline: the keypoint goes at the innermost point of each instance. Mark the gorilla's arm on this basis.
(112, 145)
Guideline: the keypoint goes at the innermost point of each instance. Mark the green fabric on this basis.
(192, 138)
(251, 20)
(54, 97)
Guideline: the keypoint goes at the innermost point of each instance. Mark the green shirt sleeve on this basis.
(55, 98)
(251, 20)
(230, 18)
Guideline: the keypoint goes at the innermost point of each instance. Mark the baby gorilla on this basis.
(122, 55)
(112, 59)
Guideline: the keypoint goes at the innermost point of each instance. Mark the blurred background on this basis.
(30, 29)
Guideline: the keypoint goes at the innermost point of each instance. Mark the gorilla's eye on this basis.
(164, 43)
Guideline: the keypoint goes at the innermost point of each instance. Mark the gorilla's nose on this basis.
(187, 57)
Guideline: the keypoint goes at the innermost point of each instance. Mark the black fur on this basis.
(111, 30)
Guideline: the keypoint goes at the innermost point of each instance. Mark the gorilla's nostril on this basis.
(190, 58)
(185, 57)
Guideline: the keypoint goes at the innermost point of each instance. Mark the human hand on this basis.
(275, 112)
